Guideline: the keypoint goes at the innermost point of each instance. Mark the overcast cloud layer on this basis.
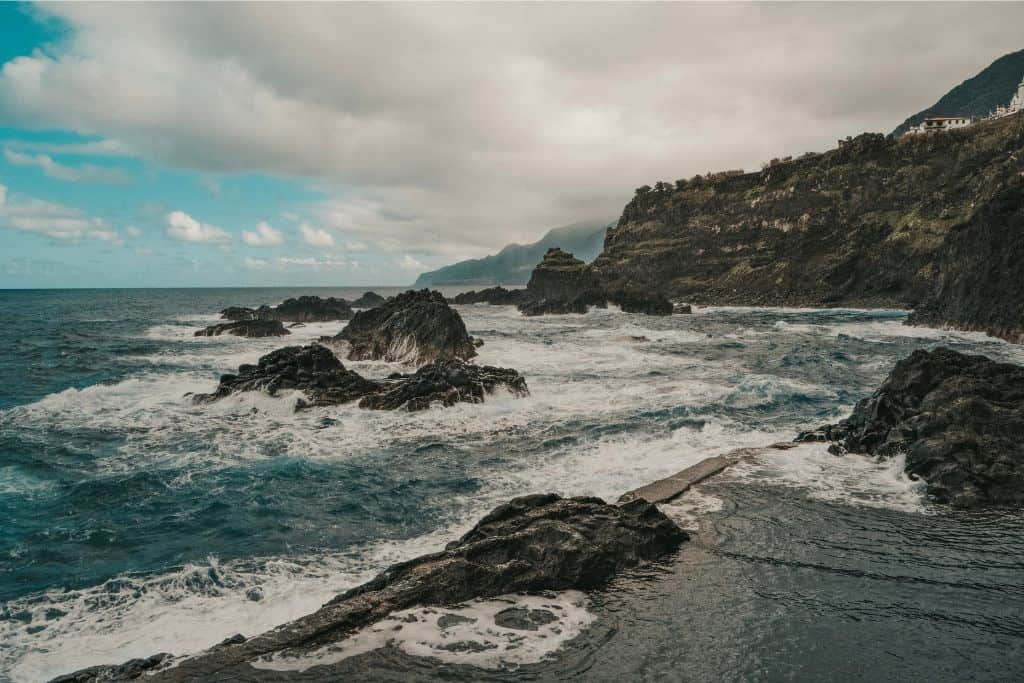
(455, 129)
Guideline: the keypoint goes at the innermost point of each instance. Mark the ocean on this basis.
(134, 522)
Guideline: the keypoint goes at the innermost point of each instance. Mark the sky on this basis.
(163, 145)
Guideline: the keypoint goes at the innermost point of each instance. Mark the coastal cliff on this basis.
(877, 222)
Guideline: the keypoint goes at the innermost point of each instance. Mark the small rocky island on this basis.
(530, 544)
(959, 419)
(414, 327)
(368, 300)
(325, 381)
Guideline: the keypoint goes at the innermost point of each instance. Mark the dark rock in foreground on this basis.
(245, 328)
(368, 300)
(534, 543)
(313, 370)
(682, 309)
(496, 296)
(447, 382)
(317, 372)
(304, 309)
(958, 418)
(413, 327)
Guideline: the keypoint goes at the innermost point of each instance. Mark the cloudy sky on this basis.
(288, 144)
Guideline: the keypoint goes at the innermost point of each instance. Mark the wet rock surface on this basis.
(303, 309)
(313, 370)
(446, 382)
(246, 328)
(959, 419)
(530, 544)
(496, 296)
(325, 381)
(413, 327)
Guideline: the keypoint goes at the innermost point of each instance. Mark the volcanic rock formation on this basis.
(959, 419)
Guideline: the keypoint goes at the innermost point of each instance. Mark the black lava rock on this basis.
(414, 327)
(368, 300)
(530, 544)
(246, 328)
(958, 418)
(447, 382)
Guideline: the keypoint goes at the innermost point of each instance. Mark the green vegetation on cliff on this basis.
(862, 225)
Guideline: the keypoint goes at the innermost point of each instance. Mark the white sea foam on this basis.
(851, 479)
(472, 634)
(578, 374)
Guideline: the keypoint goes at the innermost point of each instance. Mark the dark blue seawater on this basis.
(132, 521)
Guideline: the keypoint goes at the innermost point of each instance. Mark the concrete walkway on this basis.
(670, 487)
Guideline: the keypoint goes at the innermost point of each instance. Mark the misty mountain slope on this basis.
(976, 96)
(514, 263)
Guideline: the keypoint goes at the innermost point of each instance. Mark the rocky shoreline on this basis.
(958, 420)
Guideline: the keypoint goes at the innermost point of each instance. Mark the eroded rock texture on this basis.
(959, 419)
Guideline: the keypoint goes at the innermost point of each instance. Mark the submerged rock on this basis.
(959, 419)
(303, 309)
(313, 370)
(413, 327)
(495, 296)
(446, 382)
(530, 544)
(325, 381)
(368, 300)
(245, 328)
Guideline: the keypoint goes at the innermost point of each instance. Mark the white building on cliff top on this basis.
(1016, 104)
(937, 124)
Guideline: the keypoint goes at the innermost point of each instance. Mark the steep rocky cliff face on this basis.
(980, 283)
(867, 224)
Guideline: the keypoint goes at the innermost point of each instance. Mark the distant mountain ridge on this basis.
(514, 263)
(977, 96)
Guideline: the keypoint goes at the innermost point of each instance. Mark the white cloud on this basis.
(182, 227)
(407, 262)
(56, 221)
(316, 263)
(316, 236)
(255, 263)
(355, 246)
(493, 123)
(111, 148)
(265, 236)
(88, 173)
(132, 231)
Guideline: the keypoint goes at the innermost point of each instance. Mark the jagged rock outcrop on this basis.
(530, 544)
(446, 382)
(368, 300)
(958, 418)
(563, 284)
(313, 370)
(864, 224)
(413, 327)
(495, 296)
(245, 328)
(325, 381)
(304, 309)
(980, 282)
